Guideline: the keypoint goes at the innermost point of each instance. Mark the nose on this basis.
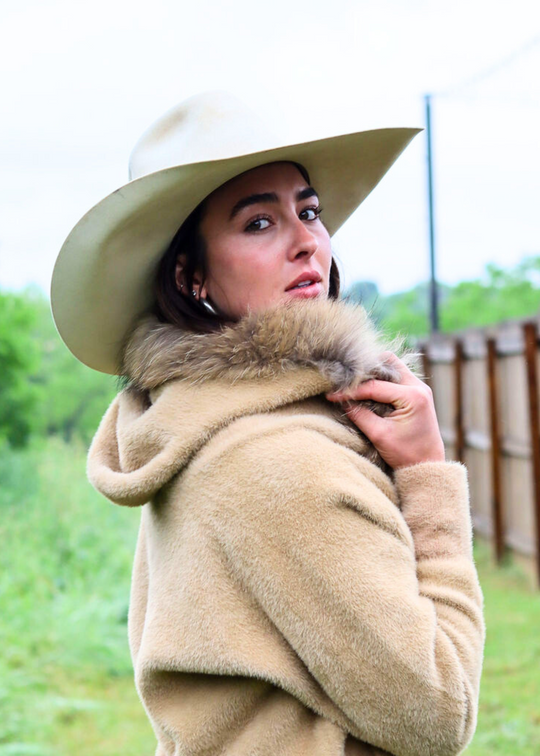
(303, 243)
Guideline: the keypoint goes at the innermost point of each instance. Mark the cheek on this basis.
(241, 271)
(248, 262)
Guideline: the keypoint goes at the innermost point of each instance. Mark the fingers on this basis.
(407, 376)
(407, 435)
(381, 391)
(366, 420)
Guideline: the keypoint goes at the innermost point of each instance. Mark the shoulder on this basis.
(301, 446)
(291, 470)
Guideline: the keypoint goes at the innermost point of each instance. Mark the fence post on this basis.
(458, 401)
(496, 487)
(426, 366)
(530, 337)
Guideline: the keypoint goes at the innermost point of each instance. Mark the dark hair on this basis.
(183, 310)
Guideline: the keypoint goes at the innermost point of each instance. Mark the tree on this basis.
(366, 293)
(72, 396)
(500, 295)
(44, 389)
(19, 356)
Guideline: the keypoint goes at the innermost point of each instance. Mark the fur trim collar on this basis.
(336, 337)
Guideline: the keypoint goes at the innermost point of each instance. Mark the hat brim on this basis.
(103, 277)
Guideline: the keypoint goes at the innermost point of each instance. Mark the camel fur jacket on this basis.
(291, 595)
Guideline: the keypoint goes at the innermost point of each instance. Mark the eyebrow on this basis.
(254, 199)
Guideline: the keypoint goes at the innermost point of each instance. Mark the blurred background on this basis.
(79, 83)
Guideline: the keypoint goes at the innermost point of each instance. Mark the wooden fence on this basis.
(485, 383)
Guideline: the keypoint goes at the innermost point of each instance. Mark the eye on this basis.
(255, 224)
(315, 212)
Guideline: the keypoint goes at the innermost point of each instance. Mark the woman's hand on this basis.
(408, 435)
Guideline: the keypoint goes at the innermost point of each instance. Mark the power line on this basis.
(495, 68)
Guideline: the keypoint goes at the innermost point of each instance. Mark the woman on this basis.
(304, 580)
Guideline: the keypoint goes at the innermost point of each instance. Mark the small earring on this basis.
(181, 287)
(194, 293)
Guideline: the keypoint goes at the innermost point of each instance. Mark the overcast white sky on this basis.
(80, 81)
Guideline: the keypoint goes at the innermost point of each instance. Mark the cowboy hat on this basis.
(103, 276)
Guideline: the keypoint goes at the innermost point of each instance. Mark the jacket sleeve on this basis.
(381, 602)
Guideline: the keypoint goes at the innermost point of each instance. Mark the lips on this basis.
(306, 292)
(309, 277)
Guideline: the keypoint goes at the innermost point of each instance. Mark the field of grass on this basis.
(66, 682)
(509, 714)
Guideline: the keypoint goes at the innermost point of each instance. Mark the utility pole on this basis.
(433, 298)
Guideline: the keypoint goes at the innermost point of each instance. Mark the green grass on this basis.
(66, 681)
(509, 714)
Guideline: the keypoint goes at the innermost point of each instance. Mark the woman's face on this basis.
(262, 232)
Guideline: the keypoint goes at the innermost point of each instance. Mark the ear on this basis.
(179, 272)
(180, 278)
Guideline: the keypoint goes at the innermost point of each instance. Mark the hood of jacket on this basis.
(184, 387)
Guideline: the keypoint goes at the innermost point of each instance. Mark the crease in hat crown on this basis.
(212, 125)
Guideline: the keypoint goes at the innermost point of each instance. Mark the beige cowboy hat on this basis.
(103, 276)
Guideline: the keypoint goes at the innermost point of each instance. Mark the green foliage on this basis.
(19, 357)
(73, 397)
(500, 295)
(44, 390)
(503, 295)
(64, 590)
(407, 311)
(366, 292)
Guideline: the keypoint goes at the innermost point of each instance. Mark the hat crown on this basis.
(208, 126)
